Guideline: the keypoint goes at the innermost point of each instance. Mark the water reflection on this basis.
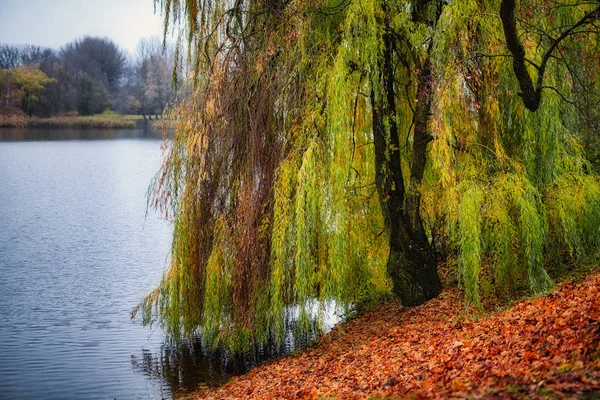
(38, 134)
(190, 366)
(77, 253)
(186, 366)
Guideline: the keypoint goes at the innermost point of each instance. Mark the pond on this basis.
(77, 253)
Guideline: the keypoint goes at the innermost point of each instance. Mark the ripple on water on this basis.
(76, 254)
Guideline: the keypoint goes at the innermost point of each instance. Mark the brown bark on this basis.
(532, 95)
(412, 264)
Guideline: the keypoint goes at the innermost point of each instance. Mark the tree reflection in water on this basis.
(190, 366)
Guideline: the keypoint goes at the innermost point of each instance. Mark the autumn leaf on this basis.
(547, 346)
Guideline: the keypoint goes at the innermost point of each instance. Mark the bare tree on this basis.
(97, 67)
(9, 56)
(100, 58)
(153, 65)
(34, 55)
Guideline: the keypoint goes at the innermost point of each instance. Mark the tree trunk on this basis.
(531, 97)
(412, 264)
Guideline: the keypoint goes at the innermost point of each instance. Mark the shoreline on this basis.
(539, 347)
(79, 122)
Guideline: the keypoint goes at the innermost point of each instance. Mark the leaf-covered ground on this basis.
(543, 348)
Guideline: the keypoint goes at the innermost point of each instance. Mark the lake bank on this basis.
(101, 121)
(548, 346)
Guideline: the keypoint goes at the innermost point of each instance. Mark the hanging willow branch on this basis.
(532, 95)
(300, 106)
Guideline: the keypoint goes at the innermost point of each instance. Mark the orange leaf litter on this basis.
(543, 348)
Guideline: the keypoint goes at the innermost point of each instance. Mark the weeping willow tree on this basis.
(333, 150)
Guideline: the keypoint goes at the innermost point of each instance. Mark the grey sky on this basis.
(55, 23)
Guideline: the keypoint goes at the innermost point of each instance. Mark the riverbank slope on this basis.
(547, 347)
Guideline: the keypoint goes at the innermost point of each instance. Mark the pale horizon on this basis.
(54, 24)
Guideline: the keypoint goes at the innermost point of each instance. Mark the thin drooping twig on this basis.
(532, 95)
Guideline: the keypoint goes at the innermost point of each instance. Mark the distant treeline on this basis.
(86, 77)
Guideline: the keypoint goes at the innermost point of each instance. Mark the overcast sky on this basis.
(57, 22)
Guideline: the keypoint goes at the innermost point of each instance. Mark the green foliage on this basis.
(469, 222)
(32, 83)
(574, 212)
(270, 178)
(517, 189)
(10, 95)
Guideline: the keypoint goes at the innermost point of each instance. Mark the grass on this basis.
(106, 120)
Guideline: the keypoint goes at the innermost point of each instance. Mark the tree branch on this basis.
(532, 96)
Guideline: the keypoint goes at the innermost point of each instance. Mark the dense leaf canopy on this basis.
(272, 181)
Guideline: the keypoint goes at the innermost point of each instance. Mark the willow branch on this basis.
(532, 95)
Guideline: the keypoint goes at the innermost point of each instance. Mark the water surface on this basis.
(76, 254)
(44, 134)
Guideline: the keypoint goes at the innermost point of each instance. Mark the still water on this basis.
(77, 253)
